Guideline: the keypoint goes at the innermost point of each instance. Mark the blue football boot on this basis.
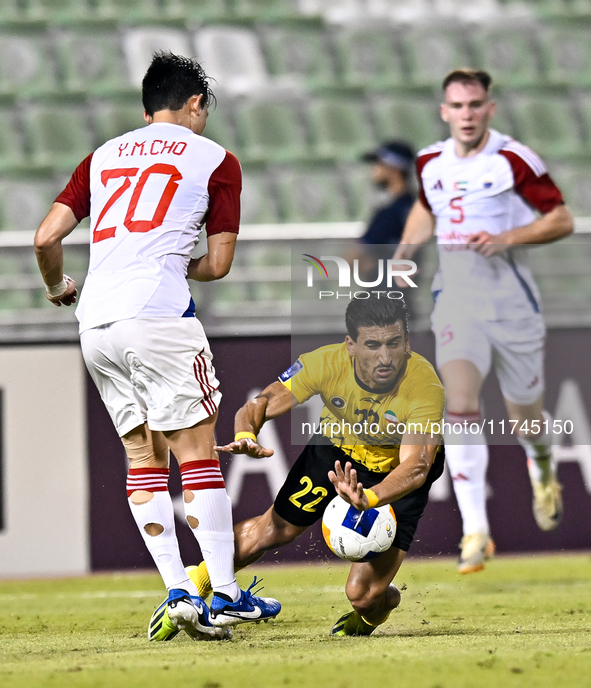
(224, 612)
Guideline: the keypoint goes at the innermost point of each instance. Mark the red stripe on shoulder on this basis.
(539, 190)
(423, 158)
(527, 155)
(76, 195)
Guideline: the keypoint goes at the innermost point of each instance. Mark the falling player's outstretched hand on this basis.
(487, 244)
(347, 487)
(246, 446)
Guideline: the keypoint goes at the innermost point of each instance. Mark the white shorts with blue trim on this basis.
(514, 347)
(154, 370)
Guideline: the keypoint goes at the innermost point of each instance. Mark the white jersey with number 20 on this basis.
(148, 200)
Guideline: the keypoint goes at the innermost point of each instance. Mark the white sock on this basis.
(209, 514)
(467, 458)
(540, 461)
(164, 547)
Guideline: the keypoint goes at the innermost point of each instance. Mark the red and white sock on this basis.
(209, 514)
(158, 512)
(466, 454)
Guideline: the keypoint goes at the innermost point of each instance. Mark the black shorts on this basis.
(306, 492)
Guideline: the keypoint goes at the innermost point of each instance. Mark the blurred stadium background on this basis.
(303, 87)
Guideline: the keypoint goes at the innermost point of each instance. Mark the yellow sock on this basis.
(199, 576)
(376, 623)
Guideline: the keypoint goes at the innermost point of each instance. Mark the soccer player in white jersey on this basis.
(148, 194)
(479, 193)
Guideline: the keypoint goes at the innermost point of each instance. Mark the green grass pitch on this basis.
(524, 621)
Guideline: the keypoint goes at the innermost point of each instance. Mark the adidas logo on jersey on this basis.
(437, 185)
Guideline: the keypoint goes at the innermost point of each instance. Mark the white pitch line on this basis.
(83, 595)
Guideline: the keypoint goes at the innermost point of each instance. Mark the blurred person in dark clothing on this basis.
(391, 168)
(392, 165)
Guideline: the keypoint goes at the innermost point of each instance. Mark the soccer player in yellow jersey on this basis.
(380, 403)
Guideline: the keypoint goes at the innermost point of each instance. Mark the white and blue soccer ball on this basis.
(358, 535)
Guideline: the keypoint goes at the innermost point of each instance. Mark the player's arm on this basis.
(222, 222)
(417, 452)
(533, 183)
(273, 401)
(554, 225)
(216, 263)
(419, 228)
(59, 222)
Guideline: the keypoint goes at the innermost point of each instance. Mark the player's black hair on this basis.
(171, 80)
(375, 312)
(468, 76)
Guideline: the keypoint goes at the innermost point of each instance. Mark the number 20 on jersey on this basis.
(126, 174)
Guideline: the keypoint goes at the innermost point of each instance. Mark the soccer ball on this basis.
(358, 535)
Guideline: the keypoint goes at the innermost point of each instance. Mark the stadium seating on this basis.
(11, 10)
(232, 56)
(263, 9)
(258, 202)
(271, 129)
(370, 58)
(91, 60)
(58, 133)
(17, 300)
(413, 118)
(61, 11)
(508, 53)
(26, 65)
(12, 150)
(566, 52)
(196, 10)
(432, 52)
(575, 183)
(25, 200)
(340, 126)
(219, 128)
(547, 123)
(114, 117)
(139, 45)
(311, 195)
(502, 120)
(304, 87)
(299, 49)
(362, 195)
(584, 108)
(128, 9)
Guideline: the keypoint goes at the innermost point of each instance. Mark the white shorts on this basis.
(515, 347)
(154, 370)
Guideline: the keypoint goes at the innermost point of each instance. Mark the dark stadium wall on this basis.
(246, 364)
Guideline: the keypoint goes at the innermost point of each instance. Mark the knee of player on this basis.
(462, 403)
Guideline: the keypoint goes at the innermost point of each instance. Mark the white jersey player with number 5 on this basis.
(479, 193)
(148, 194)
